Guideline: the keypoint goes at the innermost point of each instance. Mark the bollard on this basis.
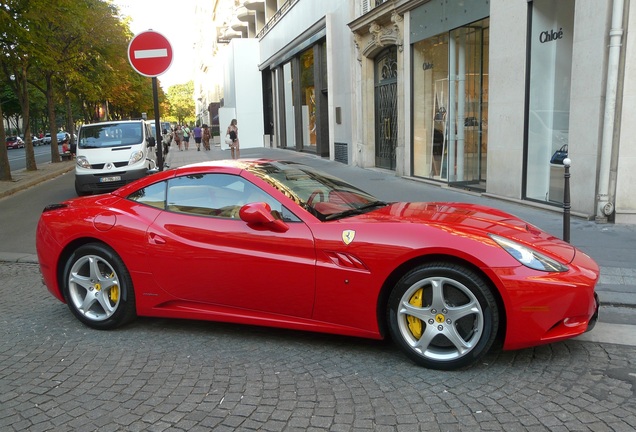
(566, 200)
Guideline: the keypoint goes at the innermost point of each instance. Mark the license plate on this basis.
(109, 179)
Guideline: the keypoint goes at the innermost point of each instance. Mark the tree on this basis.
(17, 54)
(182, 102)
(84, 33)
(73, 52)
(11, 109)
(5, 168)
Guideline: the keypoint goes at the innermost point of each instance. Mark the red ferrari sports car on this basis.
(281, 244)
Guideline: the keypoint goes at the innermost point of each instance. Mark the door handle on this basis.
(155, 239)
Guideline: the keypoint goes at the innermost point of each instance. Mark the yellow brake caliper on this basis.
(415, 324)
(114, 291)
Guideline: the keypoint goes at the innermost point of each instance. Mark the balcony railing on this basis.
(277, 16)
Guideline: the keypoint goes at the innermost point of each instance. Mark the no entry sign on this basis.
(150, 53)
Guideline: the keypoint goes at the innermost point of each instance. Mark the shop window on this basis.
(548, 97)
(450, 106)
(288, 105)
(308, 98)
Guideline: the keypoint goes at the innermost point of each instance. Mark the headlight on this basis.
(528, 257)
(81, 161)
(135, 157)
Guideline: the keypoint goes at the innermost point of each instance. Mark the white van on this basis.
(111, 154)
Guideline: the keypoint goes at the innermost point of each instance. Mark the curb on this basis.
(24, 179)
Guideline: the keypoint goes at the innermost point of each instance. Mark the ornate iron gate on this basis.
(386, 108)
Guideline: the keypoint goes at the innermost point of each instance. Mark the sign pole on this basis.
(158, 134)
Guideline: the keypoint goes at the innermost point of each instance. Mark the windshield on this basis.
(324, 196)
(110, 135)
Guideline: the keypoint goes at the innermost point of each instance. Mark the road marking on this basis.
(151, 53)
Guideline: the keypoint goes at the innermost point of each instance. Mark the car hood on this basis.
(476, 220)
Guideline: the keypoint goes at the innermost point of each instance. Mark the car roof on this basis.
(111, 122)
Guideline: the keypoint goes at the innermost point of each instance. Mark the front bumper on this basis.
(594, 319)
(91, 182)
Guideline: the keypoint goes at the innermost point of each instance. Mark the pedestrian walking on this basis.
(232, 132)
(198, 135)
(178, 136)
(186, 136)
(206, 137)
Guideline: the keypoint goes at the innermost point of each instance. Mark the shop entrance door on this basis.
(386, 108)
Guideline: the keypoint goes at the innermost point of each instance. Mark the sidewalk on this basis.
(612, 246)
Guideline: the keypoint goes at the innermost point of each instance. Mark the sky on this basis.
(173, 19)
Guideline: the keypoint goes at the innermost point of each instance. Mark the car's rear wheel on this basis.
(98, 288)
(443, 316)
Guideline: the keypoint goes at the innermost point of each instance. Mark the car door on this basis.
(207, 254)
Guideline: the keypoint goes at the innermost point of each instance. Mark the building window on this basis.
(450, 106)
(430, 103)
(308, 99)
(288, 105)
(548, 97)
(302, 92)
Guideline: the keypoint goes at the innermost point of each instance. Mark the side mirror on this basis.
(259, 214)
(151, 141)
(152, 167)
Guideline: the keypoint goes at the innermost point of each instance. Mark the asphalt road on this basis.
(17, 157)
(21, 211)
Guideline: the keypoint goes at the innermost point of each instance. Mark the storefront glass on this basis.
(308, 99)
(450, 106)
(301, 89)
(430, 102)
(289, 105)
(549, 97)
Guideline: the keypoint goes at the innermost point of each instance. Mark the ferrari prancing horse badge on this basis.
(347, 236)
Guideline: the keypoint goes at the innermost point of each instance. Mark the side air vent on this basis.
(345, 260)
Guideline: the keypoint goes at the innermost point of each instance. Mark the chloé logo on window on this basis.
(550, 35)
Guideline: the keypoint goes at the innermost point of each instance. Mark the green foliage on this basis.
(74, 53)
(181, 99)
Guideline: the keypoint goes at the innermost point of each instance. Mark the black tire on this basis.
(443, 316)
(98, 288)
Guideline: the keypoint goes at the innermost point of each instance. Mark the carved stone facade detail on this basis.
(380, 35)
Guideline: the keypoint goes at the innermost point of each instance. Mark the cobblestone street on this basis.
(185, 375)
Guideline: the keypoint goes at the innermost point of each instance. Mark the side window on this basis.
(218, 195)
(153, 195)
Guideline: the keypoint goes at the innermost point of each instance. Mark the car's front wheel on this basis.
(443, 316)
(98, 288)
